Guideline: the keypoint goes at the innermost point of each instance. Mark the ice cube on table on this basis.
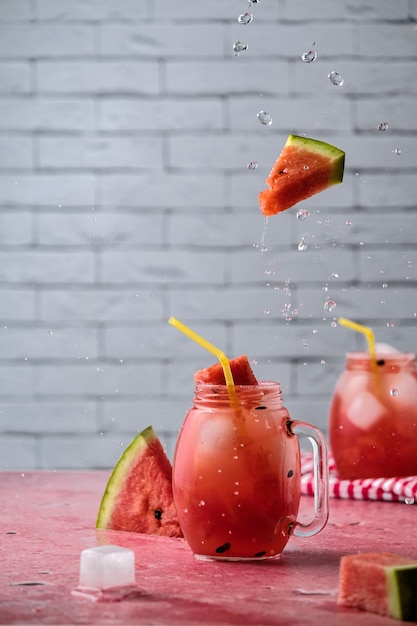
(104, 567)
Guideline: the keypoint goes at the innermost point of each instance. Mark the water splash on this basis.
(238, 47)
(252, 165)
(302, 246)
(309, 57)
(245, 18)
(302, 214)
(329, 305)
(336, 78)
(264, 118)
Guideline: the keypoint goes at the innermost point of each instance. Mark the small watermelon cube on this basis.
(304, 167)
(241, 371)
(382, 583)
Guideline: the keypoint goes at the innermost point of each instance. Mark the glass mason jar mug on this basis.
(373, 416)
(237, 473)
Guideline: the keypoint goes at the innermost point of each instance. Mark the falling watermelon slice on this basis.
(382, 583)
(241, 371)
(304, 167)
(138, 496)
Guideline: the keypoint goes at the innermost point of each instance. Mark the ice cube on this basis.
(103, 567)
(385, 348)
(365, 410)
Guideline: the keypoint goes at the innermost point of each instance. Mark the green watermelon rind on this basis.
(327, 150)
(120, 471)
(402, 585)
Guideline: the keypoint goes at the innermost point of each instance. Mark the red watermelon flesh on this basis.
(241, 371)
(382, 583)
(304, 167)
(138, 497)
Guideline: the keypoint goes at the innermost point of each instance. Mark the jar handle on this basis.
(321, 478)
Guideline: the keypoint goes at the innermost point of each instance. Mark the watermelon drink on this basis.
(236, 473)
(373, 416)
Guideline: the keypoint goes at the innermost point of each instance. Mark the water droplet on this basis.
(50, 332)
(336, 78)
(238, 47)
(202, 503)
(348, 223)
(409, 500)
(383, 126)
(329, 305)
(265, 118)
(309, 57)
(302, 214)
(384, 285)
(121, 444)
(253, 2)
(335, 275)
(322, 362)
(397, 151)
(266, 311)
(390, 324)
(393, 392)
(252, 165)
(245, 18)
(302, 246)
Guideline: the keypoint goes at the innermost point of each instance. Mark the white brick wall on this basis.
(125, 131)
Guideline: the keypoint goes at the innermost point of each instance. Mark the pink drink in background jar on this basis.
(373, 416)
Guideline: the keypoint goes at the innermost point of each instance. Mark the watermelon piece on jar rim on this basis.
(241, 371)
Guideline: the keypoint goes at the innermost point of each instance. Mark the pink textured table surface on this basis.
(47, 519)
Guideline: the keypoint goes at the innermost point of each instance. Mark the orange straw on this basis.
(211, 348)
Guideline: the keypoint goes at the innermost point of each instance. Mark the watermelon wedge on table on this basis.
(304, 167)
(138, 496)
(382, 583)
(241, 371)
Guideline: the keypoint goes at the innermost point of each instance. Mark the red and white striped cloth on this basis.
(390, 489)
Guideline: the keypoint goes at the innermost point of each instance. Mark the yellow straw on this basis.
(208, 346)
(361, 329)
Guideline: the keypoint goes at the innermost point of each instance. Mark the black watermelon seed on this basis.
(260, 408)
(260, 553)
(158, 514)
(380, 362)
(290, 527)
(290, 473)
(223, 548)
